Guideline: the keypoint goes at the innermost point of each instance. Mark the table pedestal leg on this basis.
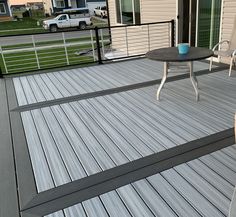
(163, 80)
(193, 80)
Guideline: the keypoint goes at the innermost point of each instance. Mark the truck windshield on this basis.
(63, 17)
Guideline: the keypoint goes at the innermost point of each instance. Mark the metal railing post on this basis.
(64, 42)
(92, 43)
(149, 43)
(172, 33)
(98, 45)
(1, 75)
(126, 39)
(103, 51)
(3, 59)
(35, 51)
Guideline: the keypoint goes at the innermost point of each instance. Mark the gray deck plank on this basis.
(39, 162)
(175, 200)
(199, 202)
(133, 123)
(152, 198)
(94, 207)
(130, 72)
(133, 202)
(203, 187)
(176, 192)
(8, 186)
(212, 177)
(219, 168)
(114, 205)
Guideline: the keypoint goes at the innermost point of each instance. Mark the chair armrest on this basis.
(221, 42)
(234, 53)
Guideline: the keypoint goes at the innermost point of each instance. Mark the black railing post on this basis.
(98, 45)
(172, 33)
(1, 75)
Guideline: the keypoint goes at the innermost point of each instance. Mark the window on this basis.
(128, 11)
(63, 17)
(60, 3)
(2, 8)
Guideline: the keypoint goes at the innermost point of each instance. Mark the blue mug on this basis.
(183, 48)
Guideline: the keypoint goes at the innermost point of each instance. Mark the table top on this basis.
(171, 54)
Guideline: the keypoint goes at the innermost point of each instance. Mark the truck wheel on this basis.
(82, 25)
(102, 16)
(53, 28)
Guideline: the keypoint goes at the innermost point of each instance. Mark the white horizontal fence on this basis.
(26, 53)
(43, 51)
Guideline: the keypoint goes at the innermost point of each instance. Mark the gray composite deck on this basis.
(71, 140)
(49, 86)
(202, 187)
(74, 140)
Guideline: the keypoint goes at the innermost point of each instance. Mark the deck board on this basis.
(79, 81)
(86, 137)
(74, 140)
(185, 190)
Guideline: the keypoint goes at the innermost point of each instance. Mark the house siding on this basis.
(228, 15)
(137, 37)
(7, 15)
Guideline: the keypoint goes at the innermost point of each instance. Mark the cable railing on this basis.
(33, 52)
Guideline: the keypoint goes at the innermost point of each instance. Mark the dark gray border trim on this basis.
(8, 183)
(25, 178)
(108, 91)
(75, 192)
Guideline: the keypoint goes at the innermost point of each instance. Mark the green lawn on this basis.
(49, 58)
(23, 24)
(28, 23)
(25, 61)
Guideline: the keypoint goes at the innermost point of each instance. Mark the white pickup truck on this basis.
(67, 21)
(100, 11)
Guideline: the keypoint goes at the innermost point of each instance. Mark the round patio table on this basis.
(171, 54)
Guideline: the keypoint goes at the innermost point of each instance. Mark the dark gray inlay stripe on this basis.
(25, 177)
(94, 185)
(8, 186)
(107, 92)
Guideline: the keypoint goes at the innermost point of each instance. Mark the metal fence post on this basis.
(172, 33)
(149, 43)
(98, 45)
(64, 42)
(126, 39)
(92, 43)
(3, 59)
(35, 51)
(103, 51)
(1, 75)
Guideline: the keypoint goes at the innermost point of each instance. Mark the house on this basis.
(35, 5)
(19, 7)
(201, 23)
(59, 5)
(5, 12)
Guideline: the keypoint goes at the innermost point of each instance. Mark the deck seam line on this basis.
(110, 91)
(206, 145)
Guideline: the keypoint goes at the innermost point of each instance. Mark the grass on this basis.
(23, 24)
(28, 23)
(26, 61)
(48, 58)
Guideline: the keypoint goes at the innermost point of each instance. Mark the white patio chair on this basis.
(230, 51)
(232, 209)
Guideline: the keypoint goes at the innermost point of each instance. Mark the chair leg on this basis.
(231, 64)
(210, 64)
